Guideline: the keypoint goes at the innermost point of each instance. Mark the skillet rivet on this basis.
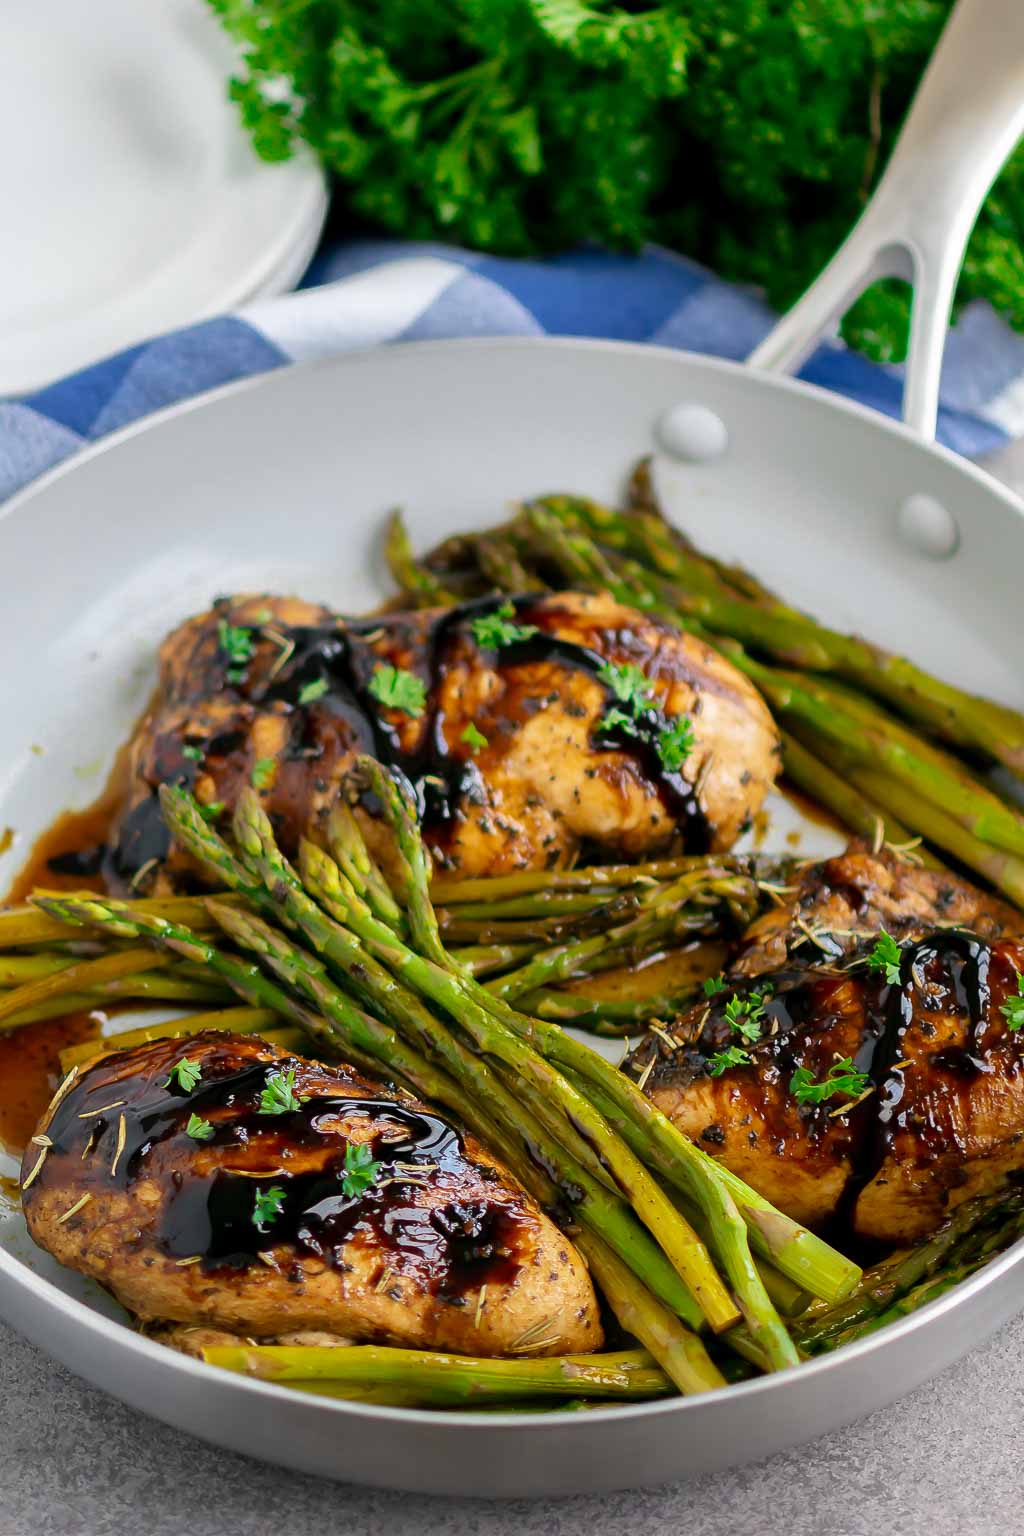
(928, 527)
(692, 432)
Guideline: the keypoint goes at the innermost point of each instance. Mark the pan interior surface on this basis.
(282, 484)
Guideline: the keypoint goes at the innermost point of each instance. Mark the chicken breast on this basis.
(838, 904)
(508, 741)
(272, 1196)
(934, 1107)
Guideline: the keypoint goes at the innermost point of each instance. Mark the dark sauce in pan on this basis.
(30, 1071)
(208, 1211)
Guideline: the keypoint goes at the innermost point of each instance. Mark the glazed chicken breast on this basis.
(269, 1196)
(838, 904)
(505, 718)
(934, 1108)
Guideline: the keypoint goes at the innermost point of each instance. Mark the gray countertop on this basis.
(74, 1462)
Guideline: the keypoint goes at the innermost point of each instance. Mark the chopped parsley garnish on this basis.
(235, 641)
(263, 616)
(493, 630)
(744, 1015)
(185, 1073)
(635, 712)
(194, 754)
(199, 1129)
(841, 1077)
(713, 985)
(263, 772)
(732, 1056)
(614, 716)
(279, 1096)
(475, 740)
(397, 689)
(675, 743)
(628, 684)
(360, 1170)
(1013, 1009)
(886, 957)
(212, 811)
(310, 692)
(268, 1207)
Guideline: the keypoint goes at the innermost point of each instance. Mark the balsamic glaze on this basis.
(208, 1209)
(946, 972)
(339, 657)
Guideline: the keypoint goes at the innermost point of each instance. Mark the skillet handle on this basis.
(965, 120)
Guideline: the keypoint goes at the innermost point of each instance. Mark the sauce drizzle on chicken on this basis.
(337, 660)
(210, 1214)
(940, 1065)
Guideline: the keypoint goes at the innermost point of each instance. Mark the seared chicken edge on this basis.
(274, 1195)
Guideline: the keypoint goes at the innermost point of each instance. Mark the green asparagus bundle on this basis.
(673, 1239)
(342, 957)
(592, 925)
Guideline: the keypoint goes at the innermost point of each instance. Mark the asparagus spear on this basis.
(450, 1381)
(560, 962)
(15, 970)
(881, 1288)
(499, 561)
(678, 1351)
(607, 1016)
(854, 809)
(152, 987)
(449, 891)
(542, 932)
(862, 733)
(123, 920)
(419, 585)
(597, 905)
(22, 926)
(1003, 870)
(485, 959)
(80, 977)
(349, 850)
(799, 640)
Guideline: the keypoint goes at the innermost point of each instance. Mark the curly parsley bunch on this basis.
(745, 132)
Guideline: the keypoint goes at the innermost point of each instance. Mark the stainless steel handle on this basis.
(965, 120)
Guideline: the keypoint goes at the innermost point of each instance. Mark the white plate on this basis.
(132, 199)
(282, 483)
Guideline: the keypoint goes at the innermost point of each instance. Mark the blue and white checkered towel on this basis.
(366, 294)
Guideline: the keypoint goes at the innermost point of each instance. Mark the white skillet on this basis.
(282, 483)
